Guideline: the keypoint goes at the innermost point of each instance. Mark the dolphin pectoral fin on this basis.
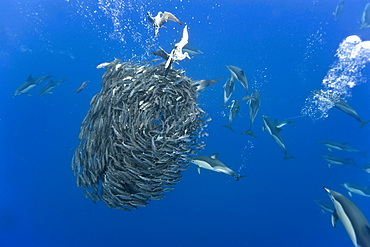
(329, 165)
(349, 193)
(198, 170)
(229, 127)
(334, 218)
(329, 149)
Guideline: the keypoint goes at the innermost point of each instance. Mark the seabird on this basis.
(160, 19)
(176, 53)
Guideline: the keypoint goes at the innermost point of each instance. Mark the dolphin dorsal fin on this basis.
(29, 78)
(334, 218)
(214, 156)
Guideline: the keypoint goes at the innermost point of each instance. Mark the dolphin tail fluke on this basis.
(229, 127)
(362, 123)
(287, 156)
(239, 177)
(249, 132)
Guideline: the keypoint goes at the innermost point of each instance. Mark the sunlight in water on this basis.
(353, 54)
(127, 22)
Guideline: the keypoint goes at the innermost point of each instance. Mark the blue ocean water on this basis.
(285, 48)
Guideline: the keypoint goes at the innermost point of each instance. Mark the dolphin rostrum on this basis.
(239, 74)
(358, 189)
(353, 219)
(29, 84)
(160, 19)
(214, 164)
(234, 110)
(254, 102)
(274, 128)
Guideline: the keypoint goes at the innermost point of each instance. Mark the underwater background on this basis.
(285, 48)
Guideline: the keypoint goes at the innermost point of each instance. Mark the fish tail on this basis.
(362, 123)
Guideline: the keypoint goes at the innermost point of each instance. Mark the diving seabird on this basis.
(176, 53)
(160, 19)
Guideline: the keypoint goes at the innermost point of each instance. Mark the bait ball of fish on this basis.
(138, 135)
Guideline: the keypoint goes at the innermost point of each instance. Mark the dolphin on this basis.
(234, 110)
(51, 85)
(214, 164)
(274, 128)
(342, 105)
(229, 88)
(29, 84)
(325, 206)
(343, 146)
(177, 53)
(254, 102)
(191, 50)
(160, 19)
(366, 168)
(358, 189)
(202, 84)
(353, 219)
(365, 18)
(338, 160)
(339, 9)
(239, 74)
